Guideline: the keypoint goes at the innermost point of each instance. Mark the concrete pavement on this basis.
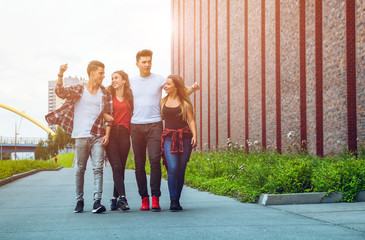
(41, 207)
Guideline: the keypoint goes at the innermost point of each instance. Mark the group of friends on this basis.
(105, 119)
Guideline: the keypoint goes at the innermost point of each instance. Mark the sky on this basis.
(37, 36)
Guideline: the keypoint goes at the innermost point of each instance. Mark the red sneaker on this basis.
(155, 203)
(145, 204)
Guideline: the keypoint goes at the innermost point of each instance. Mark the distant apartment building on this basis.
(55, 102)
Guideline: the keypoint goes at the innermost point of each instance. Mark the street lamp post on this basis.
(15, 142)
(1, 142)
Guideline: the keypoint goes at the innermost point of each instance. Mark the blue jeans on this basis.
(176, 163)
(85, 148)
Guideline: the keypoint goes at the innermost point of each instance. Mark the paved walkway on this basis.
(41, 207)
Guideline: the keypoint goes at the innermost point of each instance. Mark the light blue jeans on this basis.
(176, 164)
(85, 148)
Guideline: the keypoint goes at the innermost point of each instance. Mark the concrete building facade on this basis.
(273, 68)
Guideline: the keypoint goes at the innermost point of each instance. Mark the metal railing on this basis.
(20, 140)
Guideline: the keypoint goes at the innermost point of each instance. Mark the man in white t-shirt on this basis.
(146, 127)
(82, 116)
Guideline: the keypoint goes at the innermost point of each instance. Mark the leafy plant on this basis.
(10, 168)
(233, 172)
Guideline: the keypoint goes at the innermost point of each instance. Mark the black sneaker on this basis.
(113, 204)
(123, 204)
(98, 208)
(79, 207)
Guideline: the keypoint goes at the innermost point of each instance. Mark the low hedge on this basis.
(245, 176)
(9, 168)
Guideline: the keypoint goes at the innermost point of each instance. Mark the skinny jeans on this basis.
(176, 164)
(85, 148)
(117, 151)
(147, 137)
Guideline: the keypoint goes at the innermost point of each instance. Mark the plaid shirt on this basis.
(177, 140)
(64, 116)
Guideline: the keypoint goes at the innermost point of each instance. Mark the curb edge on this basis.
(26, 174)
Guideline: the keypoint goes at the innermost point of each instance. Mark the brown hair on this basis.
(144, 53)
(185, 102)
(93, 65)
(127, 94)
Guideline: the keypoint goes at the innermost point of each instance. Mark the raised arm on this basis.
(61, 91)
(63, 69)
(192, 88)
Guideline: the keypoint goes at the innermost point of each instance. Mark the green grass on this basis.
(246, 176)
(9, 168)
(235, 173)
(64, 160)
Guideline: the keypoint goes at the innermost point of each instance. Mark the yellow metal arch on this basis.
(47, 129)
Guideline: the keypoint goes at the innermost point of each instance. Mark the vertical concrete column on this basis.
(201, 75)
(319, 77)
(216, 76)
(208, 70)
(263, 75)
(278, 77)
(246, 76)
(303, 76)
(228, 73)
(351, 74)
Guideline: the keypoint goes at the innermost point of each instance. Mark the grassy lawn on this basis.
(235, 173)
(64, 160)
(246, 176)
(9, 168)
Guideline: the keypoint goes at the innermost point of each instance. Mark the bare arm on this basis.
(192, 125)
(108, 117)
(63, 69)
(105, 139)
(192, 88)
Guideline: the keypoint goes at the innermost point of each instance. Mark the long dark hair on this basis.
(127, 94)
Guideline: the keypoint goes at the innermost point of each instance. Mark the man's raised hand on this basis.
(63, 69)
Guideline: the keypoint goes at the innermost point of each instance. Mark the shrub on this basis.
(246, 176)
(10, 168)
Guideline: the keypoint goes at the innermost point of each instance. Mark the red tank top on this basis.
(122, 113)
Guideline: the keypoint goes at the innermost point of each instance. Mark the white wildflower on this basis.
(242, 167)
(291, 135)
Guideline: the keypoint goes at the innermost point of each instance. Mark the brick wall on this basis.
(297, 78)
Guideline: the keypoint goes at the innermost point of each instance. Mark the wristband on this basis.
(60, 75)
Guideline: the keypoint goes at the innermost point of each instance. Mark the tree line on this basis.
(51, 147)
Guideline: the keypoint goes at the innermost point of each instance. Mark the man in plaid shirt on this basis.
(82, 116)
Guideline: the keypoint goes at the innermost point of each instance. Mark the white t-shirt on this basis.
(147, 97)
(87, 110)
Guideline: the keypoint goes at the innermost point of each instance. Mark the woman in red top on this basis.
(119, 138)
